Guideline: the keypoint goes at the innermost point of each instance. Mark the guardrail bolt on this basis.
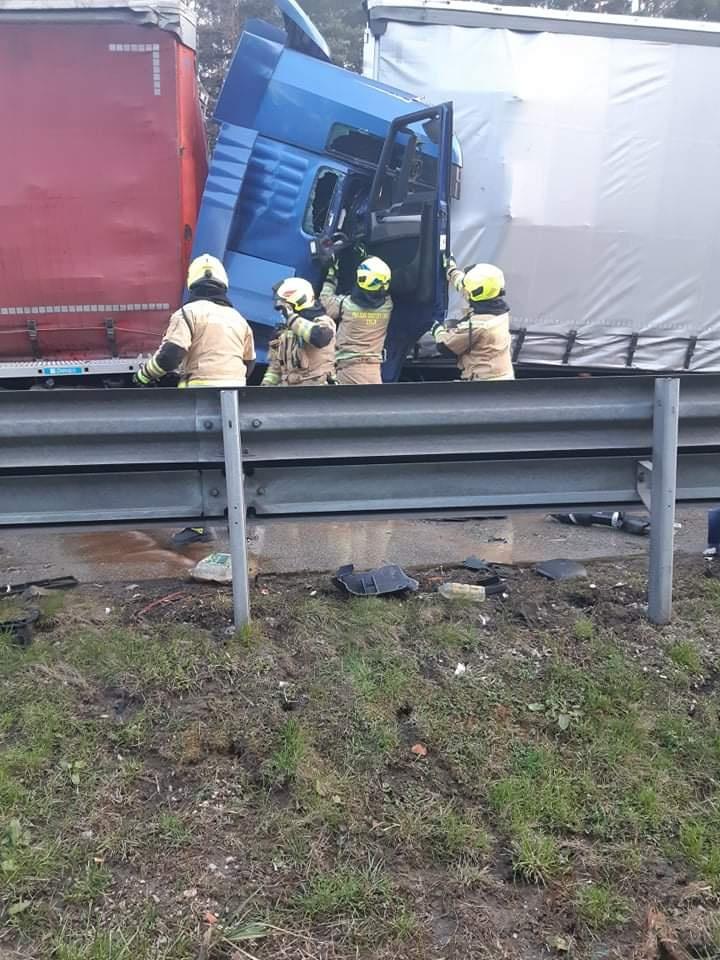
(214, 492)
(257, 423)
(208, 424)
(261, 491)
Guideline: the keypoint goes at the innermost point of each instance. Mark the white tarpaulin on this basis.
(592, 177)
(177, 16)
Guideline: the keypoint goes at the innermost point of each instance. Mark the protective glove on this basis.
(141, 378)
(332, 273)
(436, 328)
(285, 309)
(449, 263)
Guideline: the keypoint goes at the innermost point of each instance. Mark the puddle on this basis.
(324, 545)
(134, 553)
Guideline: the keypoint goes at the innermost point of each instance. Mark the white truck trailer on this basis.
(591, 170)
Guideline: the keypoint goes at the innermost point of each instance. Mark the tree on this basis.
(220, 24)
(342, 21)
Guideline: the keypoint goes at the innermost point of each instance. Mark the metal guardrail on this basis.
(88, 456)
(52, 429)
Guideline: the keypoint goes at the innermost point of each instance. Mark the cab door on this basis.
(408, 215)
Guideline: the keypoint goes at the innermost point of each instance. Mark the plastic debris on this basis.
(469, 591)
(460, 670)
(561, 570)
(478, 565)
(420, 750)
(617, 520)
(217, 568)
(375, 583)
(20, 627)
(57, 583)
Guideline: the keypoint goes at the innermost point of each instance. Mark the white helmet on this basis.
(207, 269)
(297, 292)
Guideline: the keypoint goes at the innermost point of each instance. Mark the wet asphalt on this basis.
(101, 556)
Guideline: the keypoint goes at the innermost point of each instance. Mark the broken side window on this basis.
(321, 195)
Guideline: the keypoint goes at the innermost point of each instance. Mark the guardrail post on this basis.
(236, 505)
(664, 488)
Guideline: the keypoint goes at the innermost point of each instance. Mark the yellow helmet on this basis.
(484, 282)
(297, 292)
(207, 268)
(374, 275)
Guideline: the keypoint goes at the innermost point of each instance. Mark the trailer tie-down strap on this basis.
(32, 330)
(571, 338)
(631, 349)
(690, 352)
(519, 343)
(111, 337)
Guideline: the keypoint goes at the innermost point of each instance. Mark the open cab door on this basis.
(408, 222)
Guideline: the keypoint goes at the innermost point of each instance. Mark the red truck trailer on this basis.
(103, 164)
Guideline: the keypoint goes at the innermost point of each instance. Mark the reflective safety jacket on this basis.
(208, 343)
(481, 341)
(362, 328)
(482, 344)
(303, 353)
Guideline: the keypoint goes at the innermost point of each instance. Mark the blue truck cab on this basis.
(313, 161)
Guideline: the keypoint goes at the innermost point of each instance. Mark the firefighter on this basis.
(363, 317)
(481, 338)
(207, 340)
(209, 343)
(303, 352)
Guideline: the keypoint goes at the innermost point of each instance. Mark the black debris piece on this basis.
(491, 581)
(617, 520)
(375, 583)
(20, 628)
(58, 583)
(478, 565)
(561, 570)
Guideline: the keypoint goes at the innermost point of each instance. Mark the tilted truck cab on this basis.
(313, 159)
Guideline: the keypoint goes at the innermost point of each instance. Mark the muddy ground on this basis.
(405, 778)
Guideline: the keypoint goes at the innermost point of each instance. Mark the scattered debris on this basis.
(460, 670)
(162, 602)
(57, 583)
(375, 583)
(20, 627)
(217, 568)
(470, 591)
(420, 750)
(617, 520)
(479, 566)
(561, 570)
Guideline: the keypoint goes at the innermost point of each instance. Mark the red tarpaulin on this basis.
(103, 163)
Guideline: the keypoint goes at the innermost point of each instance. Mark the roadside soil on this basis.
(407, 777)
